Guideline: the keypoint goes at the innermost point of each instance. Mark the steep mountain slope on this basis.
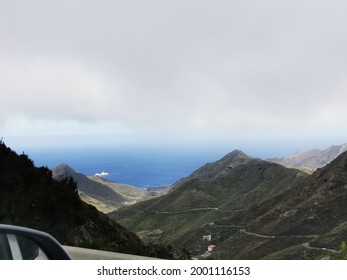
(213, 192)
(89, 187)
(308, 221)
(316, 204)
(31, 197)
(106, 196)
(313, 159)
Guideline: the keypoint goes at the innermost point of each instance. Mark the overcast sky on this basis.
(225, 73)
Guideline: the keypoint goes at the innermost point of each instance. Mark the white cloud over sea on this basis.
(102, 174)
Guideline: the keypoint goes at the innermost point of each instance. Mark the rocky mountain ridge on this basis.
(312, 159)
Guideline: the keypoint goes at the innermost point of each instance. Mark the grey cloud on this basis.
(200, 65)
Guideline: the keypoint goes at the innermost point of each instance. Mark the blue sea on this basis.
(142, 168)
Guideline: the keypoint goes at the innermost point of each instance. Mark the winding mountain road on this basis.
(183, 211)
(242, 228)
(306, 244)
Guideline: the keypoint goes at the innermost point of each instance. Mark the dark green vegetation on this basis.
(31, 197)
(251, 209)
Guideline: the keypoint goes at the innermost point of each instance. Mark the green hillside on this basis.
(201, 203)
(249, 209)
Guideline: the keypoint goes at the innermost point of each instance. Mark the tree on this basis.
(343, 250)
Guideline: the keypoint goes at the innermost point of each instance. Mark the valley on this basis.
(238, 207)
